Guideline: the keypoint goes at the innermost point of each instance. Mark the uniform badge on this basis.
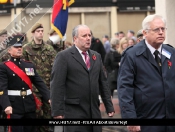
(30, 71)
(1, 92)
(166, 53)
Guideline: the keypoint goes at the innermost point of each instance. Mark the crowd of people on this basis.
(111, 51)
(48, 80)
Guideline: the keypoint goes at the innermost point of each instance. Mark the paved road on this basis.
(104, 115)
(117, 115)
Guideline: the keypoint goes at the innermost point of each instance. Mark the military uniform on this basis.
(57, 47)
(42, 55)
(17, 94)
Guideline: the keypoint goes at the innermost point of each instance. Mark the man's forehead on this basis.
(84, 30)
(157, 21)
(39, 29)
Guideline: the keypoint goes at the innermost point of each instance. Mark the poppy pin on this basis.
(94, 57)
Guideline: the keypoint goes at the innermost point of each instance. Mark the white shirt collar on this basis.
(152, 49)
(80, 51)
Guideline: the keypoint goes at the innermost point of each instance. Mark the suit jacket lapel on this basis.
(91, 59)
(76, 55)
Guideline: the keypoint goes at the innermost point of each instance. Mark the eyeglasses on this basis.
(157, 30)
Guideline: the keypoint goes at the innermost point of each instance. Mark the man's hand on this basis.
(133, 128)
(8, 110)
(58, 117)
(111, 114)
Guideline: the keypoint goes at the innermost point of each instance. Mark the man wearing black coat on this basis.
(97, 45)
(77, 78)
(16, 79)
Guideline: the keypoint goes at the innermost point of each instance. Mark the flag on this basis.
(60, 16)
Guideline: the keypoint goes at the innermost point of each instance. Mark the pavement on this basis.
(117, 115)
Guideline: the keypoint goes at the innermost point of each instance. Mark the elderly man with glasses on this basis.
(146, 78)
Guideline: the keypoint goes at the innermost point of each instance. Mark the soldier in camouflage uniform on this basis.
(59, 45)
(42, 55)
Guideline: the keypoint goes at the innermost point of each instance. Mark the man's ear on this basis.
(74, 38)
(145, 32)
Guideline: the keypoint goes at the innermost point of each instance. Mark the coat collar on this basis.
(76, 55)
(143, 50)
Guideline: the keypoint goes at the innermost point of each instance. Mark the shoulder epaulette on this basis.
(169, 45)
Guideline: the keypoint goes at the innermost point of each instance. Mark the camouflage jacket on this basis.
(42, 55)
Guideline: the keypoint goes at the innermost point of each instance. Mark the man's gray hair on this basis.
(75, 30)
(150, 18)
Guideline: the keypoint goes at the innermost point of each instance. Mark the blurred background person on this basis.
(131, 42)
(97, 45)
(107, 45)
(123, 44)
(68, 44)
(111, 64)
(130, 34)
(121, 34)
(139, 35)
(54, 41)
(3, 37)
(116, 35)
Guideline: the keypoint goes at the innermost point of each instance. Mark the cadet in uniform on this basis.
(16, 78)
(42, 55)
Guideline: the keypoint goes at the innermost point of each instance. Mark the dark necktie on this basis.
(87, 59)
(157, 58)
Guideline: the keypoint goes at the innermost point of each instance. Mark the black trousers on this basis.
(31, 115)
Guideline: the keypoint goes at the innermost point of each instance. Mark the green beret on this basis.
(51, 31)
(36, 26)
(3, 32)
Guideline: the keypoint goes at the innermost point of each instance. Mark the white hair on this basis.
(150, 18)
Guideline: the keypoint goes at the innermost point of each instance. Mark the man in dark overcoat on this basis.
(146, 79)
(97, 45)
(77, 78)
